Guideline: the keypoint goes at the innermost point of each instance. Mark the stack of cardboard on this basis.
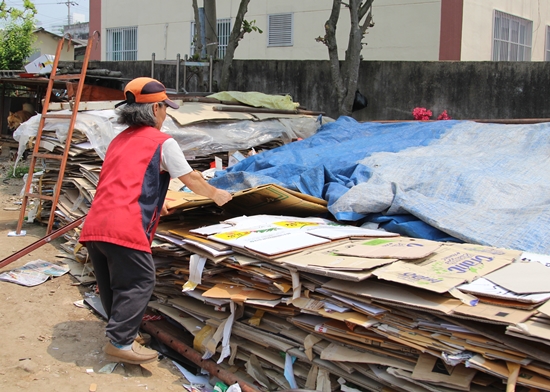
(304, 302)
(300, 301)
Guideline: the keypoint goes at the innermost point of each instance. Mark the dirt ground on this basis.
(47, 343)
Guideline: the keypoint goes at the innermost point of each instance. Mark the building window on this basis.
(122, 44)
(513, 38)
(223, 30)
(547, 56)
(280, 30)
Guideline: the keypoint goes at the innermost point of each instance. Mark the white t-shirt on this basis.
(173, 161)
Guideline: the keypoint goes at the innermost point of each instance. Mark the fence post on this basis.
(177, 73)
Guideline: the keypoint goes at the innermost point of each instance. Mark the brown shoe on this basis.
(136, 356)
(143, 338)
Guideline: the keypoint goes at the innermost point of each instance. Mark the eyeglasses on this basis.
(161, 104)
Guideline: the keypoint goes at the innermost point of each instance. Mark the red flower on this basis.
(421, 114)
(444, 116)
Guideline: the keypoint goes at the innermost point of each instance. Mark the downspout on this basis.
(165, 41)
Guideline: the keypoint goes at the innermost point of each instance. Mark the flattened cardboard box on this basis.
(263, 199)
(238, 293)
(329, 256)
(418, 276)
(469, 261)
(392, 248)
(449, 266)
(493, 314)
(522, 278)
(433, 370)
(398, 295)
(276, 200)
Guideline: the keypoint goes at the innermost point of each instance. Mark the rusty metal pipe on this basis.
(44, 240)
(159, 331)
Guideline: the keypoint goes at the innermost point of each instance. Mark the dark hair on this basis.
(136, 114)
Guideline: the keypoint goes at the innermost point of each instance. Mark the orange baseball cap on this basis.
(146, 90)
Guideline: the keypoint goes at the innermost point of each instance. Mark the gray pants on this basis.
(126, 279)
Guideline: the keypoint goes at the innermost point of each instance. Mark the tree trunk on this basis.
(197, 38)
(210, 28)
(345, 75)
(234, 38)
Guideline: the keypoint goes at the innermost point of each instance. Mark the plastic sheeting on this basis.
(479, 183)
(257, 99)
(195, 140)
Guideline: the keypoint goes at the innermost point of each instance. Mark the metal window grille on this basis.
(122, 44)
(512, 38)
(223, 27)
(280, 29)
(547, 57)
(224, 30)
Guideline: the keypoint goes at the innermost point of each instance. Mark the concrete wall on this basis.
(467, 90)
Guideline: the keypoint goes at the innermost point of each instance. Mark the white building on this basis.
(405, 30)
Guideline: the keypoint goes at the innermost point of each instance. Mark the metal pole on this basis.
(159, 330)
(185, 74)
(153, 66)
(44, 240)
(177, 73)
(211, 70)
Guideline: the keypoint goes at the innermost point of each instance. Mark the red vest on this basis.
(131, 191)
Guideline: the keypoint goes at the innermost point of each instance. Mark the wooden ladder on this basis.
(45, 115)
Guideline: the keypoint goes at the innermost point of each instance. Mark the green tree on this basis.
(16, 38)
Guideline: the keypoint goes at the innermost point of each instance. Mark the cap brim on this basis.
(172, 104)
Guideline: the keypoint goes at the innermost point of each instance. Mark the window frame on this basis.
(512, 37)
(129, 37)
(223, 40)
(276, 36)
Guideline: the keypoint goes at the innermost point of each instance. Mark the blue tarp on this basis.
(474, 182)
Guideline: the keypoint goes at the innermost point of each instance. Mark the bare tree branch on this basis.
(345, 74)
(236, 35)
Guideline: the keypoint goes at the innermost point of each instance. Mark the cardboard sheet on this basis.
(499, 369)
(189, 323)
(523, 278)
(268, 241)
(176, 200)
(194, 112)
(238, 293)
(263, 199)
(343, 354)
(394, 248)
(327, 256)
(350, 317)
(535, 329)
(433, 370)
(274, 199)
(469, 261)
(484, 287)
(418, 276)
(493, 314)
(275, 235)
(197, 309)
(399, 295)
(545, 308)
